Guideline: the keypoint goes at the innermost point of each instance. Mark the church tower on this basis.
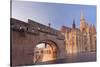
(83, 24)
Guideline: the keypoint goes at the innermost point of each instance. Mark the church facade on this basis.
(82, 39)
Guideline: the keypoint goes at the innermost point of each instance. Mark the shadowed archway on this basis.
(45, 51)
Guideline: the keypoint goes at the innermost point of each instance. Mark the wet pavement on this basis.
(73, 58)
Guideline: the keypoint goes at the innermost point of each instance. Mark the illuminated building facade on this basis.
(81, 39)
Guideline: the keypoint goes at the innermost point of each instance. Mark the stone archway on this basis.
(45, 51)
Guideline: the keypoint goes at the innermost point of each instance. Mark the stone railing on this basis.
(34, 27)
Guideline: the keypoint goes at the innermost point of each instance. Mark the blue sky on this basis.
(54, 13)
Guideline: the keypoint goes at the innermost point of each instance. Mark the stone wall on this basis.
(25, 36)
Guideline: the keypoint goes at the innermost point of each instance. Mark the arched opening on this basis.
(45, 51)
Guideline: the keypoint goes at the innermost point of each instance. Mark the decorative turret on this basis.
(92, 29)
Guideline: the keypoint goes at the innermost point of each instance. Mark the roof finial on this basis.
(82, 16)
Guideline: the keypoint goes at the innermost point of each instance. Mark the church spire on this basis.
(83, 24)
(82, 16)
(73, 25)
